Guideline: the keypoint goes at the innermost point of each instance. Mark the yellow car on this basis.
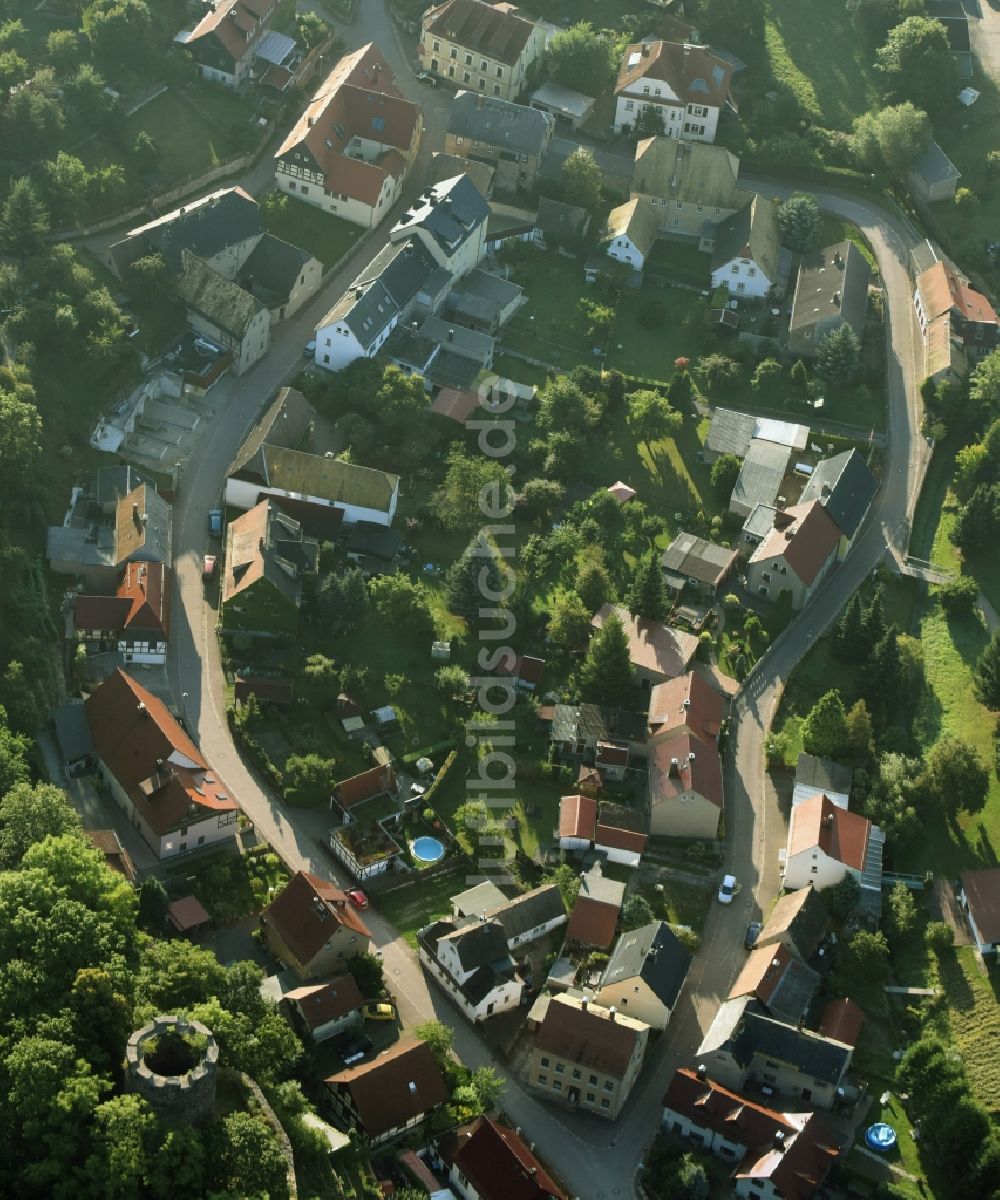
(378, 1012)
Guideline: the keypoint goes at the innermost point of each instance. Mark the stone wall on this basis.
(189, 1097)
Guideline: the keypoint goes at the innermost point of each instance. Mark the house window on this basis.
(605, 1103)
(544, 1062)
(499, 72)
(814, 870)
(483, 65)
(560, 1069)
(608, 1085)
(435, 45)
(576, 1073)
(291, 186)
(466, 77)
(460, 141)
(305, 190)
(496, 89)
(698, 208)
(557, 1085)
(629, 105)
(468, 60)
(762, 591)
(741, 287)
(751, 271)
(676, 221)
(735, 269)
(482, 85)
(454, 52)
(592, 1080)
(766, 576)
(591, 1098)
(543, 1080)
(645, 91)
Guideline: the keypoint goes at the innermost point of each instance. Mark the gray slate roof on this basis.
(72, 731)
(845, 487)
(273, 267)
(594, 886)
(745, 1032)
(204, 229)
(934, 166)
(450, 211)
(447, 166)
(498, 123)
(831, 290)
(201, 288)
(401, 267)
(654, 955)
(567, 220)
(479, 944)
(534, 908)
(587, 722)
(824, 774)
(469, 343)
(688, 555)
(730, 432)
(285, 423)
(761, 474)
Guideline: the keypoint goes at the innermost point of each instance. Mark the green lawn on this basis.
(322, 234)
(967, 138)
(188, 143)
(679, 903)
(650, 353)
(815, 51)
(680, 260)
(974, 1018)
(833, 230)
(410, 907)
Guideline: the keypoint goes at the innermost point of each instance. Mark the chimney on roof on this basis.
(142, 710)
(413, 1088)
(645, 50)
(826, 489)
(837, 260)
(779, 1139)
(451, 335)
(828, 819)
(691, 756)
(612, 1012)
(686, 702)
(583, 1003)
(675, 766)
(836, 299)
(700, 1072)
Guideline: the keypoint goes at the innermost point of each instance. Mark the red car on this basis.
(358, 899)
(208, 565)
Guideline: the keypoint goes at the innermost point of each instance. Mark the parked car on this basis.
(215, 522)
(727, 889)
(378, 1012)
(352, 1047)
(310, 349)
(427, 77)
(208, 565)
(358, 899)
(751, 935)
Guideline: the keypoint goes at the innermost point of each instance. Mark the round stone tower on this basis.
(172, 1063)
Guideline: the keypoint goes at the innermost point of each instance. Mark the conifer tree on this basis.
(647, 597)
(606, 673)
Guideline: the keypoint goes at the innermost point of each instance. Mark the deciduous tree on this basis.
(569, 619)
(917, 64)
(581, 52)
(725, 471)
(403, 604)
(987, 674)
(473, 485)
(30, 813)
(581, 182)
(651, 417)
(956, 778)
(891, 138)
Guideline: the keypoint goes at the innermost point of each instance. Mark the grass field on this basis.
(967, 139)
(188, 142)
(410, 907)
(322, 234)
(974, 1020)
(817, 54)
(650, 353)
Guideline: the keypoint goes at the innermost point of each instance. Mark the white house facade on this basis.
(473, 966)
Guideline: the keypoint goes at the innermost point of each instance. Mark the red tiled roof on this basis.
(586, 1036)
(483, 28)
(839, 833)
(151, 756)
(320, 1003)
(592, 923)
(304, 914)
(147, 586)
(455, 404)
(982, 891)
(277, 691)
(714, 1107)
(652, 645)
(805, 542)
(115, 854)
(611, 754)
(187, 913)
(577, 817)
(226, 22)
(359, 788)
(498, 1164)
(841, 1020)
(619, 839)
(381, 1089)
(942, 289)
(701, 774)
(687, 700)
(693, 73)
(762, 972)
(94, 613)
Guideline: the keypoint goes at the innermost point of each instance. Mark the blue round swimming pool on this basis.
(427, 849)
(880, 1136)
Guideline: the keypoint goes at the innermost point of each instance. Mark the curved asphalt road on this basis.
(595, 1160)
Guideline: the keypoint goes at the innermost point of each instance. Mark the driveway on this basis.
(595, 1159)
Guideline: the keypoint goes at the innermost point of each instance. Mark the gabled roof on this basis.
(146, 589)
(231, 24)
(801, 916)
(201, 288)
(109, 844)
(783, 984)
(478, 900)
(794, 1151)
(619, 828)
(286, 422)
(328, 479)
(320, 1003)
(498, 1164)
(943, 290)
(534, 908)
(982, 891)
(823, 775)
(805, 539)
(760, 477)
(273, 269)
(652, 645)
(484, 28)
(698, 768)
(590, 1036)
(498, 123)
(402, 268)
(845, 487)
(818, 823)
(741, 1030)
(308, 911)
(265, 543)
(693, 73)
(577, 817)
(567, 220)
(142, 527)
(450, 212)
(654, 955)
(636, 219)
(373, 782)
(832, 288)
(595, 913)
(842, 1020)
(751, 233)
(591, 722)
(402, 1083)
(154, 760)
(688, 701)
(692, 172)
(205, 227)
(934, 166)
(478, 944)
(447, 166)
(690, 555)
